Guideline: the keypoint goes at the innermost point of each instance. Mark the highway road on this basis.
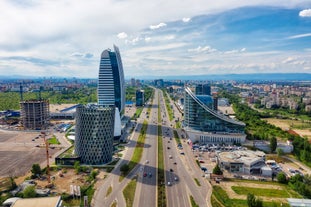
(180, 170)
(146, 190)
(186, 170)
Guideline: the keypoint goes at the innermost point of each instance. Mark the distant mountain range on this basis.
(215, 77)
(243, 77)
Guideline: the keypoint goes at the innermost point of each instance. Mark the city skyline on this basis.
(226, 37)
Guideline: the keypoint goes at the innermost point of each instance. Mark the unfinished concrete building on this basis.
(35, 114)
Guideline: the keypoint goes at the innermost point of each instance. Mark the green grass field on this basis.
(261, 192)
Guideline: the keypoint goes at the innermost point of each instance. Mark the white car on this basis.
(147, 161)
(169, 183)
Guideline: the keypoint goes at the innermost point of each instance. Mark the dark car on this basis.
(171, 170)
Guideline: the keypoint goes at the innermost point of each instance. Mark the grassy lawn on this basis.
(109, 191)
(138, 150)
(221, 198)
(197, 181)
(161, 173)
(193, 203)
(260, 192)
(53, 140)
(177, 137)
(129, 193)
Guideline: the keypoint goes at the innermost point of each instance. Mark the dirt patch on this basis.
(286, 124)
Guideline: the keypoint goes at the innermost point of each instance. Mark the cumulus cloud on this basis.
(305, 13)
(122, 35)
(185, 19)
(157, 26)
(202, 49)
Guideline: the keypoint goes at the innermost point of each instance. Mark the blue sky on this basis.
(159, 38)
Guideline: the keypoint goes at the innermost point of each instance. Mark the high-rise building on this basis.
(94, 133)
(203, 124)
(140, 98)
(35, 114)
(111, 85)
(203, 89)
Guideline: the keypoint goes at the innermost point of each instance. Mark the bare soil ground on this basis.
(286, 125)
(18, 152)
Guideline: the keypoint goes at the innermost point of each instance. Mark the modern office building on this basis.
(140, 97)
(203, 89)
(35, 114)
(111, 85)
(94, 133)
(203, 124)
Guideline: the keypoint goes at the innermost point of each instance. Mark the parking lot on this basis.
(18, 152)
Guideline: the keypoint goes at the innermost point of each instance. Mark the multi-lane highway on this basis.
(180, 169)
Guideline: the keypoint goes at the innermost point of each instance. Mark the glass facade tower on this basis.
(111, 85)
(199, 115)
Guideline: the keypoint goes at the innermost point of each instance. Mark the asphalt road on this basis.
(180, 175)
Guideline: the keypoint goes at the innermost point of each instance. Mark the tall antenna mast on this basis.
(47, 157)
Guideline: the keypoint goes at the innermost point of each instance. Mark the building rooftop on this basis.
(241, 156)
(38, 202)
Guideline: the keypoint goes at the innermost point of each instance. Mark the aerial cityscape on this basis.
(141, 103)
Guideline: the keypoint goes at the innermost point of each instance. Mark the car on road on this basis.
(201, 161)
(182, 153)
(147, 161)
(175, 163)
(168, 148)
(171, 170)
(170, 156)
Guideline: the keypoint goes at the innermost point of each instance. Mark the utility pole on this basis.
(47, 157)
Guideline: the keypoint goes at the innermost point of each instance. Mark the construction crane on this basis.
(47, 157)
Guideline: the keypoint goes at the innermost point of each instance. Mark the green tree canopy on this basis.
(36, 170)
(281, 177)
(252, 201)
(29, 192)
(217, 170)
(273, 144)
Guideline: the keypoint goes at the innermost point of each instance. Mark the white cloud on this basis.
(157, 26)
(185, 19)
(299, 36)
(305, 13)
(122, 35)
(55, 30)
(202, 49)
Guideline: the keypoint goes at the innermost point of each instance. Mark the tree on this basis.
(36, 170)
(280, 152)
(281, 177)
(124, 168)
(217, 170)
(29, 192)
(252, 201)
(77, 167)
(273, 144)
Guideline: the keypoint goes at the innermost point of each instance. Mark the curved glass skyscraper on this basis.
(206, 125)
(111, 86)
